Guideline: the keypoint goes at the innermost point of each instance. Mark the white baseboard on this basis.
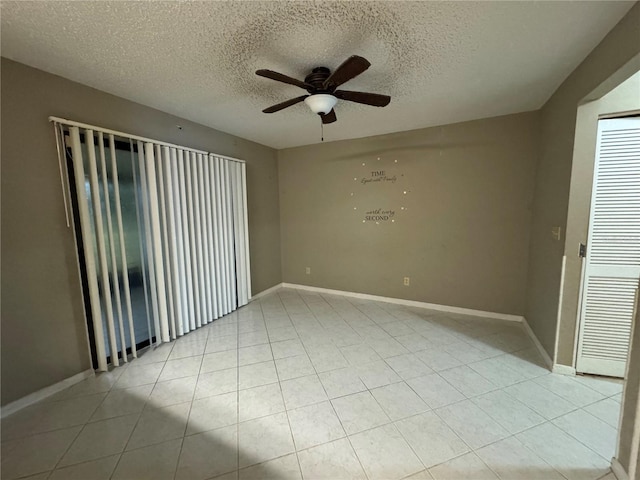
(267, 291)
(34, 397)
(536, 342)
(618, 469)
(563, 369)
(554, 367)
(409, 303)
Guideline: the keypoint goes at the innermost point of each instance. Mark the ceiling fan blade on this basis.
(288, 103)
(329, 117)
(352, 67)
(279, 77)
(373, 99)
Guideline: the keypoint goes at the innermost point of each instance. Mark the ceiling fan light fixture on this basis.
(321, 85)
(321, 102)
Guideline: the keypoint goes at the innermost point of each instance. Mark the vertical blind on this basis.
(191, 217)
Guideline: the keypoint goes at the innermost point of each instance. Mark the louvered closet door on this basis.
(612, 271)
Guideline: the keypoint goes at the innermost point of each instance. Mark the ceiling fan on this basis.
(321, 84)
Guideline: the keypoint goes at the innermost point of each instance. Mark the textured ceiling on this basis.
(441, 62)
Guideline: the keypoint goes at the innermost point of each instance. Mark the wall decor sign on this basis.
(379, 215)
(378, 176)
(379, 191)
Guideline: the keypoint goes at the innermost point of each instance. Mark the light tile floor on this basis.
(301, 385)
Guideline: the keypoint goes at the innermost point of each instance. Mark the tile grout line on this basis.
(115, 468)
(433, 410)
(286, 412)
(84, 426)
(175, 471)
(329, 400)
(546, 420)
(316, 373)
(425, 468)
(497, 389)
(284, 402)
(322, 325)
(472, 450)
(454, 432)
(576, 438)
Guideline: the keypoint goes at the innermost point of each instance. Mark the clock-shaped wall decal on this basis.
(379, 191)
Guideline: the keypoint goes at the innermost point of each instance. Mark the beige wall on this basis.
(553, 178)
(463, 240)
(624, 98)
(43, 324)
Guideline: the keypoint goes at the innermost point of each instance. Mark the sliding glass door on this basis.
(162, 235)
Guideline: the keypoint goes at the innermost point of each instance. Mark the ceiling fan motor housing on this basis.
(316, 79)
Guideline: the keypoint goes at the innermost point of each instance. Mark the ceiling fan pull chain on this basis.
(321, 130)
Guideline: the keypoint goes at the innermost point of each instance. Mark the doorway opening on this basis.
(604, 102)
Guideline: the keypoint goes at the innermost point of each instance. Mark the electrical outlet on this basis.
(407, 281)
(308, 270)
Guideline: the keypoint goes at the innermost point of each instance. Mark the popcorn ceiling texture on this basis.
(310, 28)
(441, 62)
